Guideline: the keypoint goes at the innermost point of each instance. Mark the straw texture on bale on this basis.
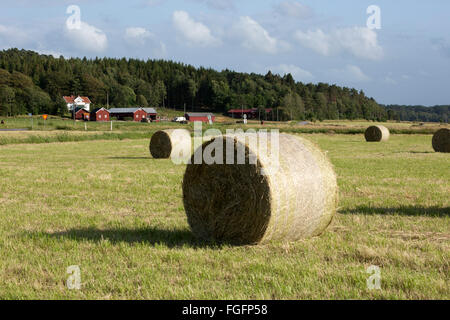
(249, 203)
(164, 143)
(441, 140)
(377, 134)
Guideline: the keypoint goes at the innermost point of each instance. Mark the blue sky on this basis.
(407, 61)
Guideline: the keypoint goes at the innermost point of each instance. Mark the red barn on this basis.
(139, 115)
(81, 114)
(199, 116)
(100, 114)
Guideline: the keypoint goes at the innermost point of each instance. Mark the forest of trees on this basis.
(419, 113)
(34, 83)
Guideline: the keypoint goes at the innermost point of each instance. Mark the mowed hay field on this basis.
(111, 209)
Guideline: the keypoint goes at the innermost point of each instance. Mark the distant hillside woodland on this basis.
(30, 82)
(420, 113)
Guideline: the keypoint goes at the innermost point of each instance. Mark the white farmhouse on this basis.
(77, 102)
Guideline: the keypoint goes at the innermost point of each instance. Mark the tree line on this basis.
(34, 83)
(419, 113)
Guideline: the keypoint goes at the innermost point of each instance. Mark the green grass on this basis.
(76, 131)
(30, 138)
(340, 127)
(110, 208)
(65, 124)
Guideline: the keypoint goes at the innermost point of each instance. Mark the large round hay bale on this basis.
(441, 140)
(169, 143)
(377, 134)
(252, 203)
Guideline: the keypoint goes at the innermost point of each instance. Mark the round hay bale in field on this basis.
(441, 140)
(169, 143)
(260, 200)
(377, 134)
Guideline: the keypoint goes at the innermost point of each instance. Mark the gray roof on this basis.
(123, 110)
(149, 110)
(130, 110)
(199, 114)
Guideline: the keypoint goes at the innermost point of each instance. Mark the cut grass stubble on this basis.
(109, 208)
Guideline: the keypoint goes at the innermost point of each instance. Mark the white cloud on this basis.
(13, 37)
(141, 37)
(350, 73)
(356, 73)
(255, 37)
(54, 54)
(298, 73)
(87, 38)
(315, 40)
(361, 42)
(137, 35)
(195, 33)
(32, 38)
(294, 9)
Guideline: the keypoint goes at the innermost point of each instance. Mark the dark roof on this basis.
(199, 114)
(77, 109)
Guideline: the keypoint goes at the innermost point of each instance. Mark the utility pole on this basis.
(184, 109)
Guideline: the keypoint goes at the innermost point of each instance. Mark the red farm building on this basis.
(137, 114)
(81, 114)
(199, 116)
(100, 114)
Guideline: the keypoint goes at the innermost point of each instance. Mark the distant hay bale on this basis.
(441, 140)
(253, 203)
(164, 144)
(377, 134)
